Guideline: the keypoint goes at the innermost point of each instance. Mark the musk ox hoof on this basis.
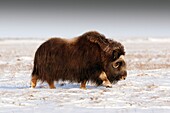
(107, 84)
(83, 88)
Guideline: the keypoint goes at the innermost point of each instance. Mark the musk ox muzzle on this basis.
(89, 57)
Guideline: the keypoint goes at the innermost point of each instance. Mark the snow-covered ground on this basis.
(146, 89)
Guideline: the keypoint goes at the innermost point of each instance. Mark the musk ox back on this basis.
(89, 57)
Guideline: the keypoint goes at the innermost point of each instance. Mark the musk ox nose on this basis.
(123, 77)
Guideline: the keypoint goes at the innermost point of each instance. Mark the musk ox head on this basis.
(112, 56)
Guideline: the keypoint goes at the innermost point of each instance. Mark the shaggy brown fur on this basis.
(81, 59)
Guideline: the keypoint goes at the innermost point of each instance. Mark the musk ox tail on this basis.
(34, 76)
(35, 71)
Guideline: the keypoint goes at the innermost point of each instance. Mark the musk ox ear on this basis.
(102, 42)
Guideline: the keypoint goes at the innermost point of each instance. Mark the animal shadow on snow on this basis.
(67, 85)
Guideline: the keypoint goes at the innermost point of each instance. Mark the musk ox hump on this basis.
(97, 38)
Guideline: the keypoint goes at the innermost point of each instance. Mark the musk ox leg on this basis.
(51, 85)
(105, 80)
(83, 84)
(34, 81)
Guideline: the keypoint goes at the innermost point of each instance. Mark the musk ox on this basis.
(89, 57)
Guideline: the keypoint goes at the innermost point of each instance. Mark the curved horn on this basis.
(116, 63)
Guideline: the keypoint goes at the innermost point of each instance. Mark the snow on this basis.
(146, 89)
(146, 40)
